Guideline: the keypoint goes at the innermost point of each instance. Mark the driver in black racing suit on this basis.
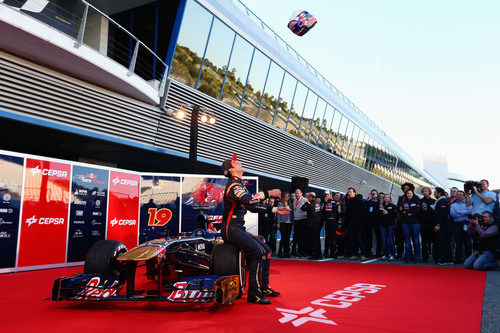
(237, 200)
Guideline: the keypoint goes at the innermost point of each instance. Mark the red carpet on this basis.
(429, 299)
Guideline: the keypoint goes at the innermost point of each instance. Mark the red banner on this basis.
(45, 213)
(123, 208)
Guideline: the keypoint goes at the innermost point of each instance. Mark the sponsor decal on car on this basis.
(182, 294)
(93, 290)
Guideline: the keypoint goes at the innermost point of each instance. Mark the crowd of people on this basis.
(428, 226)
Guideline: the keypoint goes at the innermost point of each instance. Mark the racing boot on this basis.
(268, 292)
(257, 299)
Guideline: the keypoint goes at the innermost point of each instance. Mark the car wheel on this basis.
(228, 260)
(101, 258)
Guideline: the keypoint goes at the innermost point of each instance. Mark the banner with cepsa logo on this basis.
(202, 195)
(45, 213)
(159, 213)
(11, 180)
(123, 208)
(87, 212)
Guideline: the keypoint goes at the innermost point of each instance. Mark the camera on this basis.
(470, 184)
(479, 217)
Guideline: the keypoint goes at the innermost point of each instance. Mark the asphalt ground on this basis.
(490, 320)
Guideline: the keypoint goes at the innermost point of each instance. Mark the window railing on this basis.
(303, 61)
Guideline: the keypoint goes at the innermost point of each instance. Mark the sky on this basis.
(427, 72)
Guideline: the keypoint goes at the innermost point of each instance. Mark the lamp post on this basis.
(193, 139)
(196, 111)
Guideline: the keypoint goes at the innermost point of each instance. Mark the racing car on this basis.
(193, 267)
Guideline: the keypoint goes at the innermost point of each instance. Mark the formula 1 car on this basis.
(194, 267)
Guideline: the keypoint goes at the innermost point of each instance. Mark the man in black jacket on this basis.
(372, 224)
(313, 209)
(354, 213)
(237, 200)
(399, 234)
(442, 226)
(427, 225)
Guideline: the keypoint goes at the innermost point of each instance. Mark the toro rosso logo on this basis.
(49, 172)
(45, 220)
(115, 221)
(124, 181)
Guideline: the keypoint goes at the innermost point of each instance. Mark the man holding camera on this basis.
(481, 199)
(484, 258)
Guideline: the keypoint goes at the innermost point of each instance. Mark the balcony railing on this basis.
(89, 26)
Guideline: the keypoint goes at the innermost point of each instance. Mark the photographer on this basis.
(484, 257)
(481, 199)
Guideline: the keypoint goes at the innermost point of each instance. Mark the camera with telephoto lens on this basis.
(470, 184)
(478, 217)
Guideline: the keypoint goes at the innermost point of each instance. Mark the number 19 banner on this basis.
(159, 207)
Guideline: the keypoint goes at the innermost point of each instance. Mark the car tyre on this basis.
(229, 260)
(101, 258)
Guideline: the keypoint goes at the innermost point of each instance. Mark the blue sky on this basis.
(426, 72)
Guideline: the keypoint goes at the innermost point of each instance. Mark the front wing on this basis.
(197, 289)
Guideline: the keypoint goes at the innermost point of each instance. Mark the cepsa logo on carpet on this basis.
(340, 299)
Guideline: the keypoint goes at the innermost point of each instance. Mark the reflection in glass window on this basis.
(285, 102)
(216, 58)
(360, 148)
(351, 154)
(369, 153)
(317, 123)
(334, 131)
(308, 114)
(340, 136)
(255, 84)
(297, 108)
(238, 71)
(325, 127)
(347, 140)
(191, 44)
(271, 92)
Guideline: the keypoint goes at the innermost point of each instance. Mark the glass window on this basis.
(216, 59)
(238, 71)
(370, 154)
(271, 92)
(297, 108)
(361, 148)
(340, 136)
(317, 124)
(334, 130)
(347, 139)
(308, 114)
(255, 85)
(325, 126)
(191, 44)
(353, 145)
(285, 102)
